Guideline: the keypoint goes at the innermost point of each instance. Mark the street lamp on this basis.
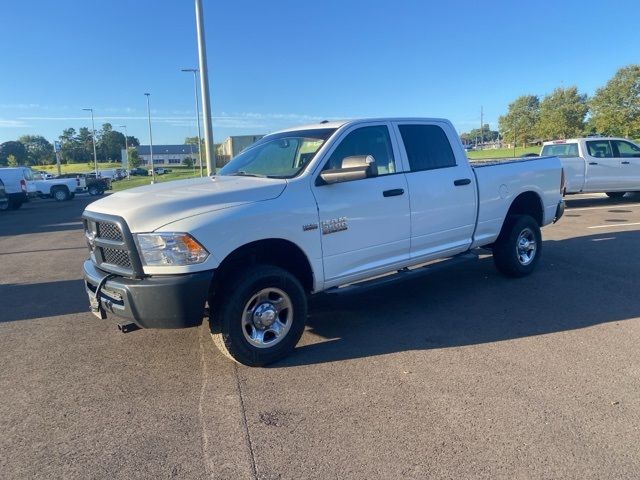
(204, 90)
(126, 146)
(195, 89)
(93, 138)
(153, 172)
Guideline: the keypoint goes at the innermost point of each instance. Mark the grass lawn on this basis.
(175, 174)
(501, 152)
(74, 167)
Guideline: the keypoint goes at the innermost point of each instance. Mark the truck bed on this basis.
(488, 162)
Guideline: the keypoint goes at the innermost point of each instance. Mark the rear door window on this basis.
(600, 149)
(427, 147)
(626, 149)
(562, 150)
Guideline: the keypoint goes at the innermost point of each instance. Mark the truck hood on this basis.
(148, 208)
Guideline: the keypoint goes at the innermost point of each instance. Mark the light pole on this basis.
(153, 172)
(204, 90)
(93, 138)
(126, 146)
(195, 89)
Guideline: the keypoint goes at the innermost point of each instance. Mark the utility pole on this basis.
(195, 88)
(93, 138)
(204, 90)
(481, 127)
(126, 147)
(153, 171)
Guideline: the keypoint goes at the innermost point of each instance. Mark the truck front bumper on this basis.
(165, 301)
(559, 211)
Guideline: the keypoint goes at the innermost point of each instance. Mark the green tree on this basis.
(134, 157)
(562, 114)
(14, 148)
(188, 162)
(39, 149)
(615, 108)
(109, 142)
(520, 122)
(487, 135)
(12, 161)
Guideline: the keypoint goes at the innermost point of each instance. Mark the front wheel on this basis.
(615, 195)
(518, 247)
(260, 316)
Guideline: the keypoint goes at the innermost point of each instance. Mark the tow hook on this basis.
(126, 327)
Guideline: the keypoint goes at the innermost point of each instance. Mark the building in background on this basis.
(165, 155)
(232, 146)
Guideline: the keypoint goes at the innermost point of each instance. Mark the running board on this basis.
(404, 274)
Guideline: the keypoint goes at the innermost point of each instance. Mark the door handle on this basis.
(462, 181)
(593, 163)
(393, 192)
(625, 163)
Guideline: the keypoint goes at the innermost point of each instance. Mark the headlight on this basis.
(170, 249)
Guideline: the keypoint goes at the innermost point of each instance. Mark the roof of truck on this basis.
(352, 121)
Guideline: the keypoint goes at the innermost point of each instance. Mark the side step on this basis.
(404, 274)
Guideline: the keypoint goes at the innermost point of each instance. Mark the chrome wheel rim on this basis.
(60, 195)
(267, 318)
(526, 246)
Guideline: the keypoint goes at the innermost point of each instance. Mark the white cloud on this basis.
(4, 123)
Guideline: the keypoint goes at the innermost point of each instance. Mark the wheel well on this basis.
(276, 251)
(527, 203)
(60, 187)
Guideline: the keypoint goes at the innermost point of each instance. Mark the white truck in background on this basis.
(60, 189)
(302, 211)
(19, 186)
(598, 164)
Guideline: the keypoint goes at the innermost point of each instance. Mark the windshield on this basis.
(281, 155)
(560, 150)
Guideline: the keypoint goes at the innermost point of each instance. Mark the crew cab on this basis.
(88, 183)
(598, 164)
(303, 211)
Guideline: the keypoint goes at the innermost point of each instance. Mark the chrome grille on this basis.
(109, 231)
(116, 257)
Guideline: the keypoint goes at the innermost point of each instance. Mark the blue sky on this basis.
(280, 63)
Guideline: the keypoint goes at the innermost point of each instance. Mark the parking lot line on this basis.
(617, 205)
(616, 225)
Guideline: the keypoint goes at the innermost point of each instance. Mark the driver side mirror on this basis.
(356, 167)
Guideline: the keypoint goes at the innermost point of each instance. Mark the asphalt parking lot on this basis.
(457, 374)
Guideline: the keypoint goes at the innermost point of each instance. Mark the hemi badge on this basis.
(309, 226)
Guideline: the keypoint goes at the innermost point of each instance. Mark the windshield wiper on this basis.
(242, 173)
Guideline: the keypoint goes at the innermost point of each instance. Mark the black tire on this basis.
(94, 190)
(615, 195)
(60, 194)
(510, 259)
(4, 206)
(228, 311)
(14, 204)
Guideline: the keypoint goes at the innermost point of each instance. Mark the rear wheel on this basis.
(94, 190)
(60, 194)
(517, 250)
(260, 316)
(615, 194)
(4, 206)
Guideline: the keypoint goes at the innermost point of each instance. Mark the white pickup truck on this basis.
(302, 211)
(598, 164)
(60, 189)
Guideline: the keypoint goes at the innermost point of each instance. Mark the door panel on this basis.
(443, 198)
(602, 169)
(629, 156)
(364, 223)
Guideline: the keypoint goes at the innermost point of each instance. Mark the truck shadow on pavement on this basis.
(579, 282)
(39, 300)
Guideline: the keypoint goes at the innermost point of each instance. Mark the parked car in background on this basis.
(598, 164)
(4, 201)
(19, 186)
(138, 172)
(158, 171)
(88, 184)
(305, 210)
